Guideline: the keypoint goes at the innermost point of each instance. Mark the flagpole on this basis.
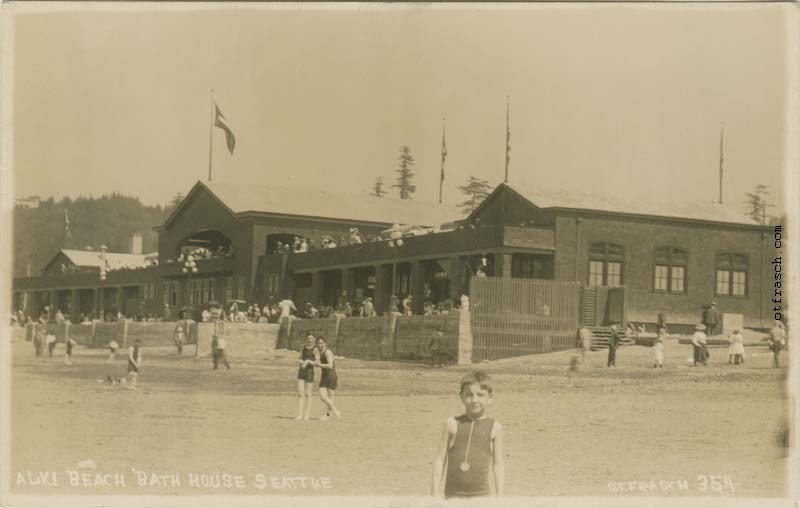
(508, 141)
(721, 138)
(441, 173)
(211, 135)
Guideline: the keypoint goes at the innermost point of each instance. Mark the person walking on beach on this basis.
(699, 341)
(658, 349)
(710, 319)
(613, 343)
(777, 340)
(134, 361)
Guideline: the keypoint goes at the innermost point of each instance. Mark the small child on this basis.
(180, 338)
(51, 344)
(658, 349)
(38, 341)
(218, 352)
(436, 347)
(70, 344)
(134, 360)
(736, 350)
(471, 447)
(113, 347)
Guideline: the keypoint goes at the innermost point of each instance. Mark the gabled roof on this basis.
(638, 205)
(114, 260)
(244, 197)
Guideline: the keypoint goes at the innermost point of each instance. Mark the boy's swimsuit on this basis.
(306, 373)
(328, 378)
(474, 481)
(131, 366)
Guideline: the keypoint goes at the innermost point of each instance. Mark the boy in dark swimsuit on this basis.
(134, 359)
(471, 447)
(305, 377)
(328, 378)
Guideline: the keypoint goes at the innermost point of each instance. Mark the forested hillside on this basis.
(39, 233)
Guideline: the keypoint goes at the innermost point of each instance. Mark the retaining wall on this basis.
(389, 337)
(244, 340)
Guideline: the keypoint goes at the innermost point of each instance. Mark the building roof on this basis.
(241, 197)
(637, 205)
(114, 260)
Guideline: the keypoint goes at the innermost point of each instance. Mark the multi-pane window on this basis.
(605, 264)
(670, 270)
(526, 266)
(210, 290)
(731, 275)
(228, 283)
(174, 291)
(165, 292)
(270, 284)
(240, 289)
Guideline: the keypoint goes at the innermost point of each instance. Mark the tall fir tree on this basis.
(377, 188)
(757, 204)
(404, 173)
(476, 190)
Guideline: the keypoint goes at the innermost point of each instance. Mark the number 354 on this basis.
(715, 483)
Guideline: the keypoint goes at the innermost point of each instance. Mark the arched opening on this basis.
(207, 244)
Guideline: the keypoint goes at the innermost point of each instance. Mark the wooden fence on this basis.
(516, 317)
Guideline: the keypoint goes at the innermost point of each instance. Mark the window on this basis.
(240, 289)
(175, 290)
(165, 292)
(669, 272)
(605, 264)
(731, 275)
(210, 290)
(526, 266)
(228, 283)
(270, 284)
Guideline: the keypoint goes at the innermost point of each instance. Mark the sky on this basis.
(625, 99)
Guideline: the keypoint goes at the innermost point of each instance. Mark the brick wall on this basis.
(640, 238)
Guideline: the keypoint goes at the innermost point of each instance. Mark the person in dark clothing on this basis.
(711, 318)
(613, 342)
(218, 352)
(661, 322)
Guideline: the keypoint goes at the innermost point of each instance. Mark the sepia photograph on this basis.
(390, 255)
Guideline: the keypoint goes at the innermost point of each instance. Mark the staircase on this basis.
(589, 306)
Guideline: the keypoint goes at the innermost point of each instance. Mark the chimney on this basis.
(136, 243)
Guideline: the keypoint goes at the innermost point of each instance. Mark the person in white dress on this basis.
(658, 349)
(736, 349)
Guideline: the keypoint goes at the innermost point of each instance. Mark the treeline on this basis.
(39, 233)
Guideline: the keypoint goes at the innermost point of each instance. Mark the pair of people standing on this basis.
(315, 353)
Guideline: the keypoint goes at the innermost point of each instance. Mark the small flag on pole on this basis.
(444, 153)
(508, 141)
(67, 232)
(220, 122)
(444, 156)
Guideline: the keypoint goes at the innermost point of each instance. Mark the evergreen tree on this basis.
(757, 204)
(111, 220)
(476, 190)
(377, 189)
(404, 173)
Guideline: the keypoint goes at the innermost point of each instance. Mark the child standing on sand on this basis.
(658, 349)
(471, 447)
(134, 359)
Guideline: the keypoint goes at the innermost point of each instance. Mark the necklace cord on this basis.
(469, 441)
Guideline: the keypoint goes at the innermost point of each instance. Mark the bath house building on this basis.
(652, 257)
